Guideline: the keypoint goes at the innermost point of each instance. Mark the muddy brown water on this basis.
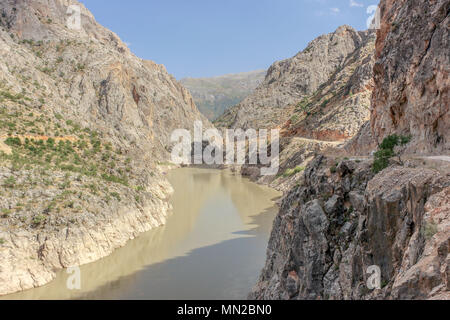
(212, 247)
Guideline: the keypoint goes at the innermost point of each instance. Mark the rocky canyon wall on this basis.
(340, 217)
(411, 74)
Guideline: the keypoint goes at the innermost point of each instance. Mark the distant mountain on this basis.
(213, 96)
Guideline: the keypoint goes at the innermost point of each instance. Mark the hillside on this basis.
(213, 96)
(319, 99)
(83, 126)
(333, 69)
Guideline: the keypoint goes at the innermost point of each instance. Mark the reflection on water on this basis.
(212, 247)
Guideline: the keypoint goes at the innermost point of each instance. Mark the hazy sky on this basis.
(203, 38)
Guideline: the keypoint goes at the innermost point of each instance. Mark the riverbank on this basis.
(217, 216)
(31, 257)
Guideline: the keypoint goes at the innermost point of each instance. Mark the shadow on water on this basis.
(177, 278)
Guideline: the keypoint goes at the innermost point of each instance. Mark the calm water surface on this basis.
(212, 247)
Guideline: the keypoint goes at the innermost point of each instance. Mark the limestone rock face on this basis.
(337, 223)
(83, 125)
(92, 74)
(411, 94)
(327, 83)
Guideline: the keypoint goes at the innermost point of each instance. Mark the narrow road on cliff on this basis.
(442, 158)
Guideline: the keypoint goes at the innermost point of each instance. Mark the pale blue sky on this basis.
(203, 38)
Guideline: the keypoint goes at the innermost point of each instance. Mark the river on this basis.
(212, 247)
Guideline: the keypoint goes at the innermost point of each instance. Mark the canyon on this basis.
(364, 124)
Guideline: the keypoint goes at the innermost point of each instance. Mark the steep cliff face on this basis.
(342, 219)
(213, 96)
(91, 73)
(83, 124)
(412, 83)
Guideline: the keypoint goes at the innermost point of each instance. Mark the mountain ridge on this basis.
(215, 95)
(85, 125)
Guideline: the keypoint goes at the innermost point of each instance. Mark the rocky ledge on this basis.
(343, 219)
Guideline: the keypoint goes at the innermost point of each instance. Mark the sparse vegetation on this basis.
(294, 118)
(55, 153)
(304, 105)
(386, 151)
(10, 182)
(429, 229)
(333, 169)
(291, 172)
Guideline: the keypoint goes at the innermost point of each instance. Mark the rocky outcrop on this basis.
(327, 83)
(343, 219)
(31, 255)
(318, 99)
(340, 218)
(84, 124)
(411, 94)
(213, 96)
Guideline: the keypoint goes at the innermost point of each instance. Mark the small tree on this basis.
(386, 151)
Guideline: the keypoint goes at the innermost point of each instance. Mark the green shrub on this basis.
(51, 143)
(291, 172)
(390, 142)
(386, 151)
(38, 219)
(115, 195)
(333, 169)
(429, 229)
(140, 188)
(10, 141)
(324, 103)
(382, 159)
(9, 182)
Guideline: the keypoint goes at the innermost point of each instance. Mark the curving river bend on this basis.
(212, 247)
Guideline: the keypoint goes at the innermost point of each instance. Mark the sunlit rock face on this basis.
(103, 118)
(411, 94)
(322, 92)
(337, 223)
(340, 218)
